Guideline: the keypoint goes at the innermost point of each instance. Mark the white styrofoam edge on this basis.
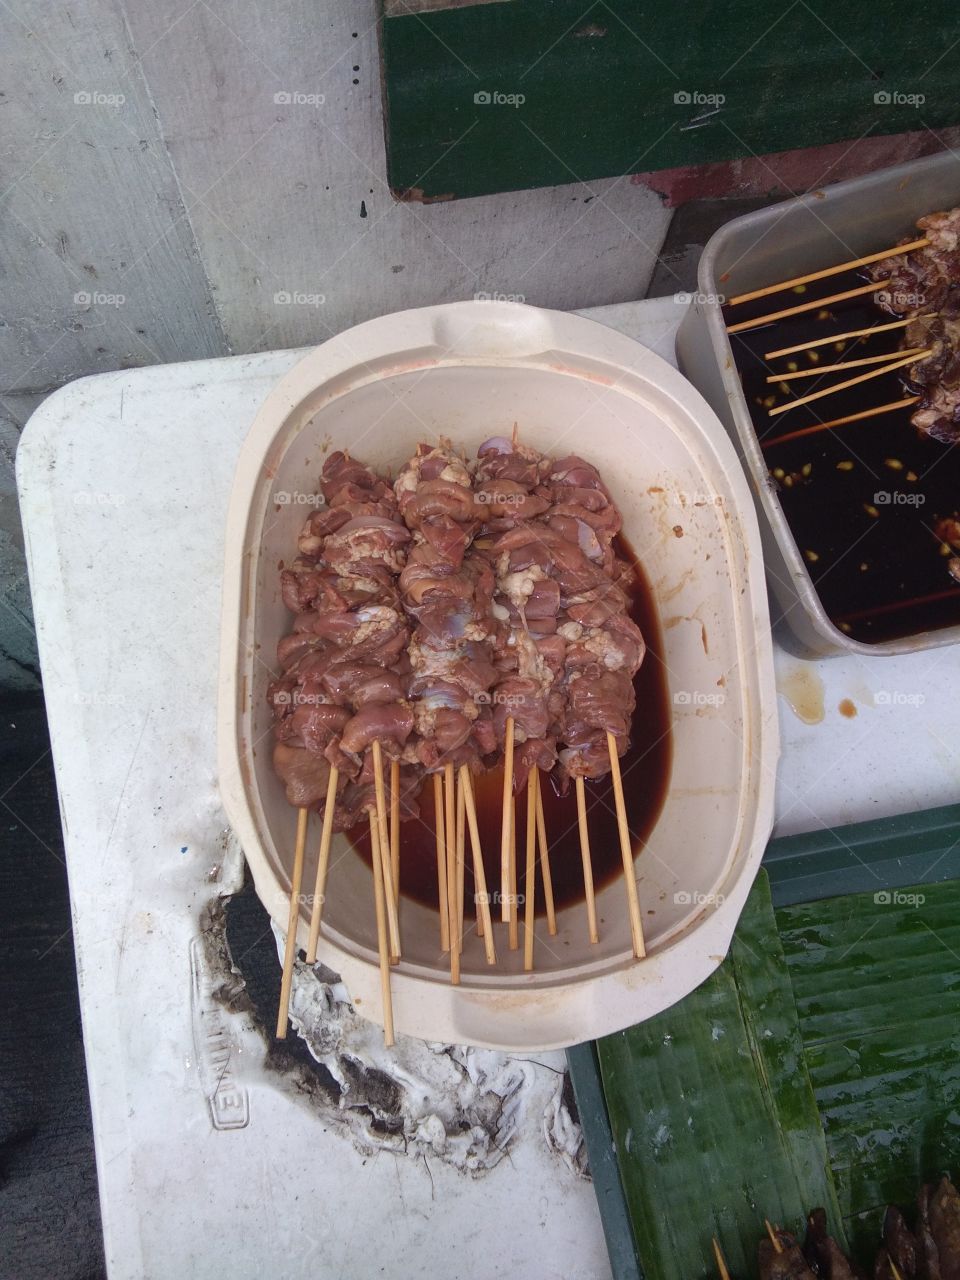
(595, 1005)
(103, 1052)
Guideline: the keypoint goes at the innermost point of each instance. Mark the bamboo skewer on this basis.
(485, 925)
(323, 862)
(506, 907)
(395, 828)
(721, 1261)
(442, 895)
(393, 923)
(840, 422)
(626, 849)
(545, 863)
(290, 949)
(894, 1271)
(896, 252)
(850, 382)
(774, 1239)
(807, 306)
(461, 858)
(529, 884)
(513, 925)
(587, 861)
(911, 603)
(383, 948)
(839, 337)
(817, 370)
(450, 831)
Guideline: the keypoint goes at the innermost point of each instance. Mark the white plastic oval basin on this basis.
(468, 371)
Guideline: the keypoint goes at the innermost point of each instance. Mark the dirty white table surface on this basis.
(124, 483)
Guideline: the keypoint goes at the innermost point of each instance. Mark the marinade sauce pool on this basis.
(860, 499)
(646, 774)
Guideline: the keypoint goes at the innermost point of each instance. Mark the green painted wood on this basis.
(625, 86)
(592, 1109)
(713, 1113)
(884, 853)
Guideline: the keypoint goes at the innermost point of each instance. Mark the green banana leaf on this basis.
(877, 984)
(819, 1065)
(714, 1116)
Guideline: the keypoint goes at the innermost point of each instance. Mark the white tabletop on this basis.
(124, 480)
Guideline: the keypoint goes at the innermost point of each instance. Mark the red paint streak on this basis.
(788, 172)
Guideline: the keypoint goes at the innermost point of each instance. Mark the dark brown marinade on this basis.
(864, 566)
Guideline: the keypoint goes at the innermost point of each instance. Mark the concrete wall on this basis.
(160, 203)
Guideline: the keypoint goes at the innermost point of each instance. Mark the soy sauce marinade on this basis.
(831, 484)
(645, 788)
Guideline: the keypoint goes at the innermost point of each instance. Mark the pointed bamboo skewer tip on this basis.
(720, 1260)
(395, 828)
(380, 791)
(290, 948)
(774, 1238)
(896, 252)
(851, 382)
(442, 893)
(479, 873)
(545, 863)
(383, 946)
(875, 287)
(626, 850)
(323, 863)
(450, 831)
(589, 895)
(529, 885)
(895, 1271)
(506, 910)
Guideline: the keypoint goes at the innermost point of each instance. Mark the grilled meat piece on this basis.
(835, 1265)
(928, 1255)
(883, 1267)
(926, 279)
(822, 1253)
(945, 1228)
(925, 285)
(788, 1264)
(815, 1236)
(900, 1242)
